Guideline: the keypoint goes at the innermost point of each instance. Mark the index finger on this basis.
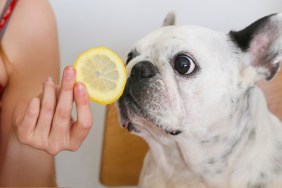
(82, 126)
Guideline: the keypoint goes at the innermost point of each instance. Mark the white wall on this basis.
(117, 24)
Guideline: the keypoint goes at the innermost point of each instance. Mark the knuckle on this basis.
(37, 145)
(54, 152)
(51, 152)
(49, 83)
(42, 143)
(74, 147)
(54, 149)
(64, 113)
(24, 138)
(33, 141)
(47, 107)
(86, 123)
(67, 87)
(32, 112)
(83, 101)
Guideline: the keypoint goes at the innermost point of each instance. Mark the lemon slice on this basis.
(103, 73)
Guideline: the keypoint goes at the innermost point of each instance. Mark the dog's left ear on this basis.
(262, 44)
(169, 19)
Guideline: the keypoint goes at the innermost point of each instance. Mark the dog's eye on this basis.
(184, 64)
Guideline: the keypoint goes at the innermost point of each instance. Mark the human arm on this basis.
(31, 44)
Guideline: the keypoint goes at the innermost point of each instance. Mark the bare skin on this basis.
(33, 129)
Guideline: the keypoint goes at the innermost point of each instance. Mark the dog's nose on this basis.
(143, 69)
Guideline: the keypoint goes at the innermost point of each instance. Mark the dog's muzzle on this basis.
(140, 91)
(133, 97)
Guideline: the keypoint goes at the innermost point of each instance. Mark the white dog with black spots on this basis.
(192, 96)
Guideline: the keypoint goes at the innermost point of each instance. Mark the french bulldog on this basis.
(192, 95)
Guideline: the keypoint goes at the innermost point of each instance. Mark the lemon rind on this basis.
(96, 96)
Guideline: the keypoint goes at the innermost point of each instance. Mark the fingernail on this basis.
(69, 72)
(49, 79)
(80, 89)
(33, 102)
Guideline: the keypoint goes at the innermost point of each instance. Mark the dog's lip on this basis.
(129, 126)
(174, 132)
(125, 124)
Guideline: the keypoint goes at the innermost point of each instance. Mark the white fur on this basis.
(229, 138)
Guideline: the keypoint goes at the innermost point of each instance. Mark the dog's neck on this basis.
(212, 154)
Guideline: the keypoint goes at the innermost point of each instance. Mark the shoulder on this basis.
(30, 42)
(31, 46)
(32, 24)
(30, 17)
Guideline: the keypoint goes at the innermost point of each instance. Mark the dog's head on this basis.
(185, 78)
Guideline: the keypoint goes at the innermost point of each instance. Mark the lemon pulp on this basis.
(103, 73)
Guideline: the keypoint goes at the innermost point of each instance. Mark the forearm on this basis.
(25, 166)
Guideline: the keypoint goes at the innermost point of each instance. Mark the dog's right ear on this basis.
(169, 19)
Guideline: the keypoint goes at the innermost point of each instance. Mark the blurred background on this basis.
(118, 24)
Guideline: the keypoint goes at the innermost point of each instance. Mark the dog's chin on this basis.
(129, 111)
(133, 117)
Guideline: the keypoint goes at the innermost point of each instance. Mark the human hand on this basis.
(46, 123)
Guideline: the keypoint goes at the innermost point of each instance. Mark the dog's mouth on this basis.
(128, 105)
(129, 126)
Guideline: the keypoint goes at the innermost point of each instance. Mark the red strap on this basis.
(7, 14)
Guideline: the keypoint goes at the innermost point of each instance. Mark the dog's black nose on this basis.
(143, 69)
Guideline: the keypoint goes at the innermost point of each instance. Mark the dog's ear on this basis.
(169, 19)
(262, 44)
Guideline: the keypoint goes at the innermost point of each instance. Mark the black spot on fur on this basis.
(205, 141)
(232, 144)
(239, 85)
(213, 139)
(262, 175)
(219, 171)
(257, 185)
(131, 55)
(244, 37)
(211, 161)
(277, 168)
(216, 138)
(252, 134)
